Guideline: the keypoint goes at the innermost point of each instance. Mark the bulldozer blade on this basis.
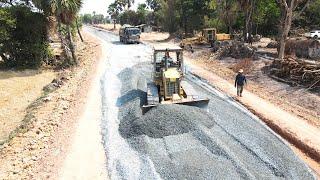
(147, 108)
(201, 103)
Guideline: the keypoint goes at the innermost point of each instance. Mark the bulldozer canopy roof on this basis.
(209, 29)
(167, 47)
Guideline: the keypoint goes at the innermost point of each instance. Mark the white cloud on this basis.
(101, 6)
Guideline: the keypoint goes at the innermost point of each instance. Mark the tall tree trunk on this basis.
(185, 24)
(114, 24)
(79, 30)
(59, 26)
(248, 24)
(71, 45)
(284, 31)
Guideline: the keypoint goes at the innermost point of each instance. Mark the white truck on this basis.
(315, 34)
(129, 34)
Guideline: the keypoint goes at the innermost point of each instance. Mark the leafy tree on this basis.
(98, 19)
(66, 12)
(129, 3)
(25, 42)
(227, 13)
(114, 11)
(247, 6)
(142, 13)
(310, 18)
(8, 23)
(168, 16)
(154, 16)
(266, 17)
(129, 17)
(87, 18)
(287, 9)
(154, 5)
(191, 14)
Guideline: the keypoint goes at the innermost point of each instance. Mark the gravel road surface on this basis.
(223, 141)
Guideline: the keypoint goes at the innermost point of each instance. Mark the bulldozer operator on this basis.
(170, 61)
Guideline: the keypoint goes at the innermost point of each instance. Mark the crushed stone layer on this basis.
(224, 141)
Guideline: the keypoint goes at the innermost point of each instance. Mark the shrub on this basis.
(27, 45)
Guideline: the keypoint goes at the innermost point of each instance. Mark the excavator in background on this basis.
(169, 86)
(207, 36)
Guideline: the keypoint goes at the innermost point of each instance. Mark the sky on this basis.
(101, 6)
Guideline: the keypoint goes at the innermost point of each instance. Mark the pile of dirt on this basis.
(235, 49)
(303, 48)
(293, 71)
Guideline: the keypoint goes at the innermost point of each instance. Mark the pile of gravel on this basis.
(183, 142)
(166, 120)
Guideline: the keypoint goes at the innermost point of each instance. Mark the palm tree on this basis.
(66, 12)
(124, 3)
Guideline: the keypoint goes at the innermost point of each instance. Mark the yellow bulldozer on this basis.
(169, 86)
(207, 36)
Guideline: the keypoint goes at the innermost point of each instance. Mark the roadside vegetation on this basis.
(37, 45)
(25, 31)
(273, 18)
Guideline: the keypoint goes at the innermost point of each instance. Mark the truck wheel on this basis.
(315, 37)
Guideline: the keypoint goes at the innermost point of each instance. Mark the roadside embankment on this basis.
(39, 152)
(17, 90)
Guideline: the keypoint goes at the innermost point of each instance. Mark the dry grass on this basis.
(17, 91)
(155, 36)
(245, 64)
(109, 27)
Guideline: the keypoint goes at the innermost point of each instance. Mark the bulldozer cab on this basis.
(167, 57)
(168, 86)
(209, 34)
(168, 71)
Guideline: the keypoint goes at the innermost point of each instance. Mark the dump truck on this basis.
(169, 86)
(207, 36)
(129, 34)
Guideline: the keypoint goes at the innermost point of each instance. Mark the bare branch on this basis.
(296, 15)
(284, 2)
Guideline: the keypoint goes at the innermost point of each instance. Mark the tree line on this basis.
(24, 29)
(94, 18)
(265, 17)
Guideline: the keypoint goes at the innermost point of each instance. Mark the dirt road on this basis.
(229, 143)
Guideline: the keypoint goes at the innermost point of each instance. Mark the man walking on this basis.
(239, 83)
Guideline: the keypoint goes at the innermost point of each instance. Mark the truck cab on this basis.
(129, 34)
